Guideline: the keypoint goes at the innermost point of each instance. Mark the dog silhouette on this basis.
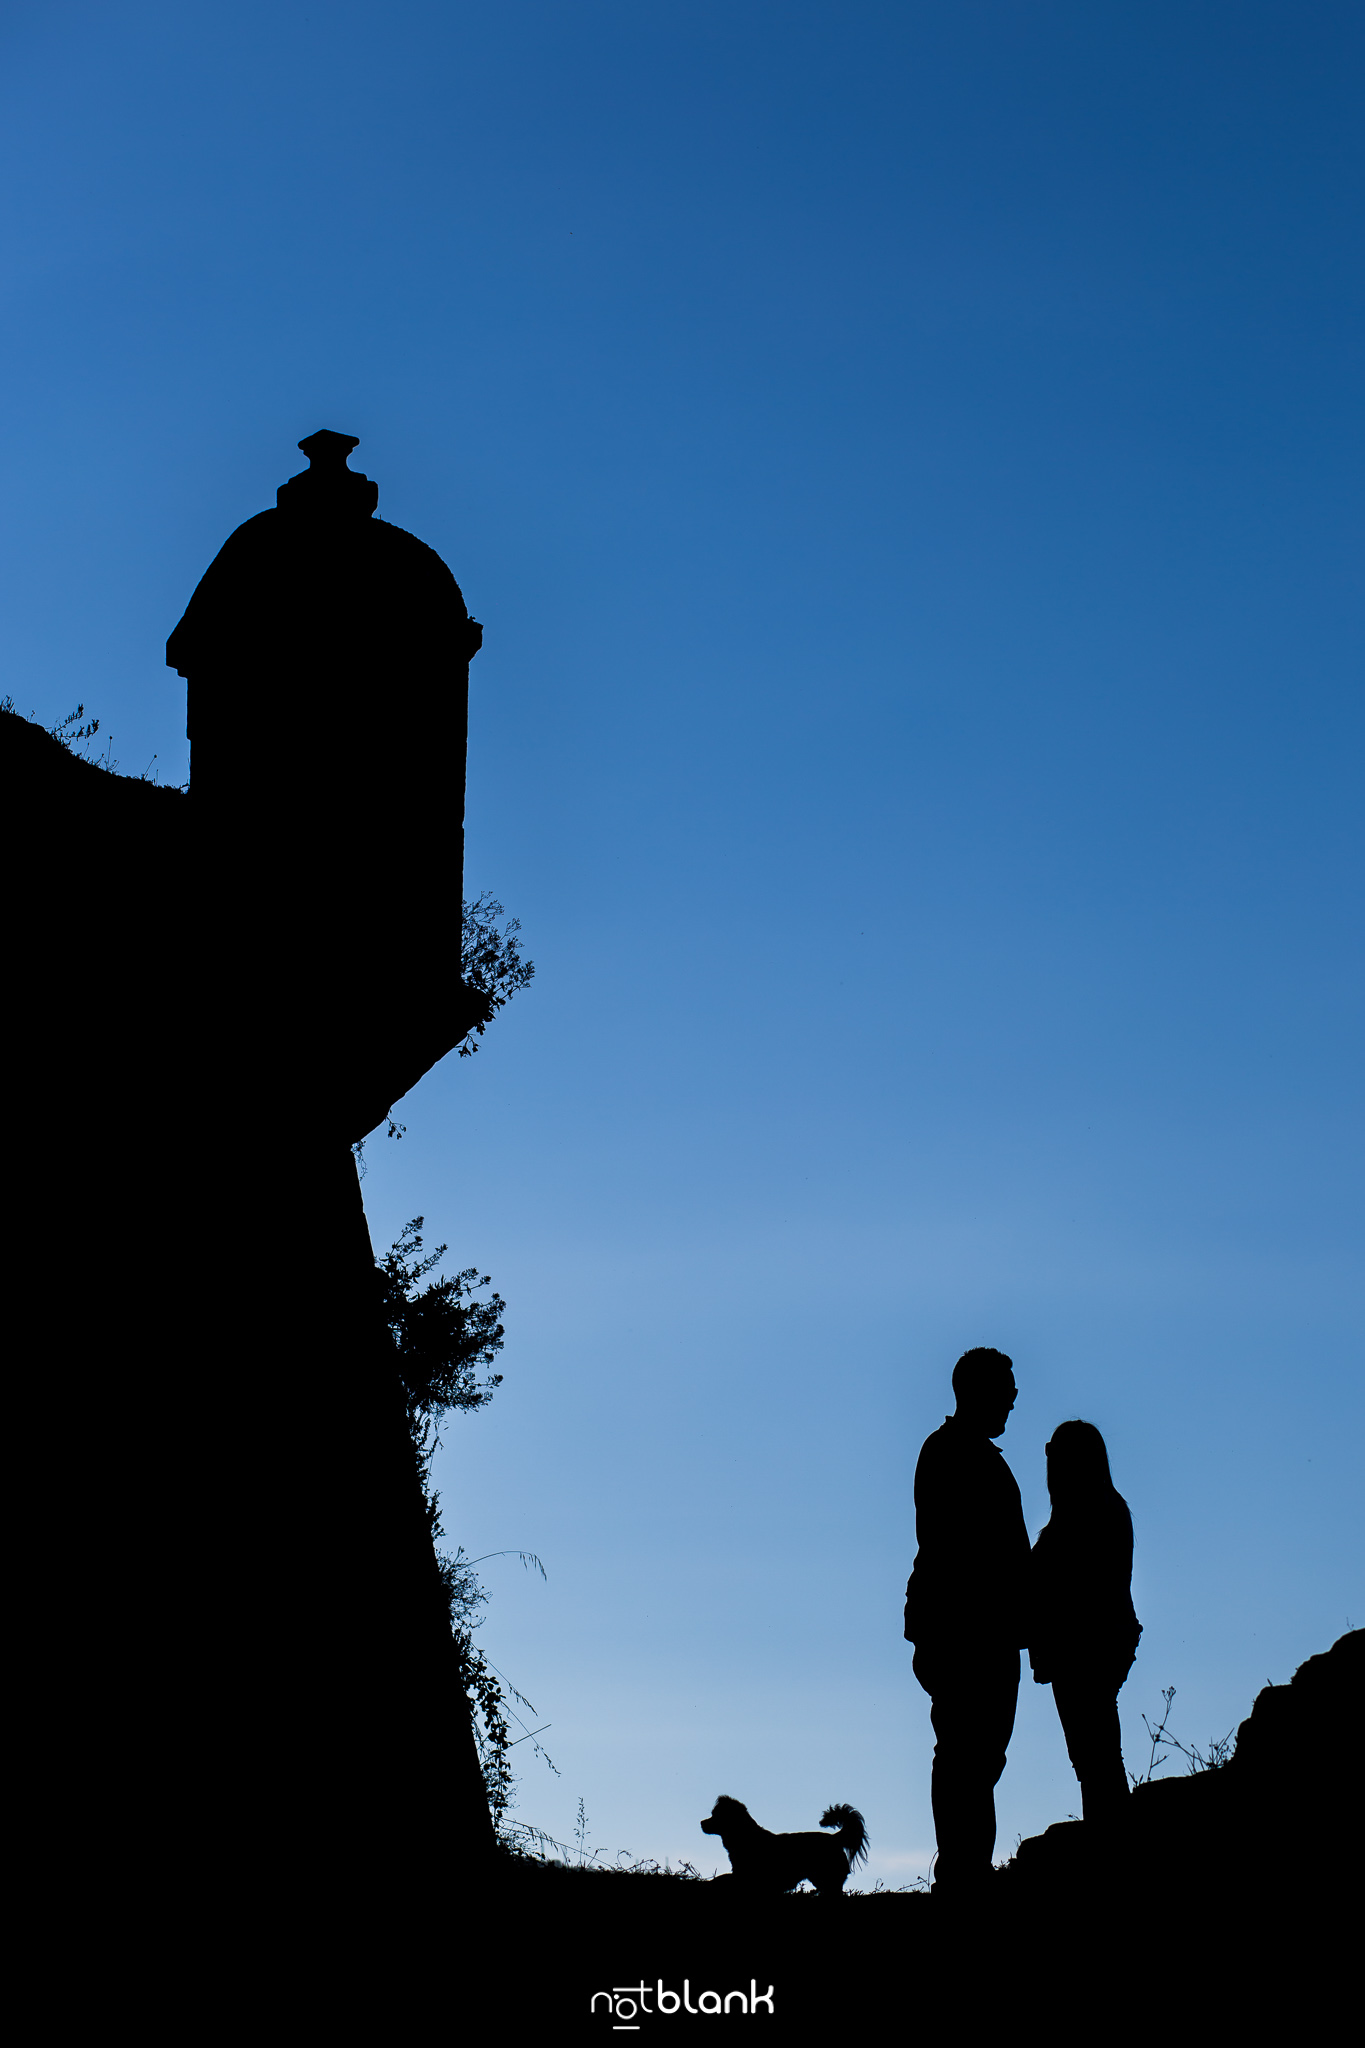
(762, 1861)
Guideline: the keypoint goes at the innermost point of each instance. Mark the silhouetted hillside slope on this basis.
(1288, 1800)
(1227, 1899)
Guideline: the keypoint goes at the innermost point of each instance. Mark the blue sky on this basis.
(906, 459)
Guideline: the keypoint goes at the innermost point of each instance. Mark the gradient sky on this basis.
(906, 459)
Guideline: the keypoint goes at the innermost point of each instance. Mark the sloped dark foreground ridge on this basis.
(1227, 1899)
(1285, 1809)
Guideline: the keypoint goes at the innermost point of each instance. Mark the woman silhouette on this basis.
(1083, 1633)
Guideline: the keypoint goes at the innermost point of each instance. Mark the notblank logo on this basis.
(625, 2003)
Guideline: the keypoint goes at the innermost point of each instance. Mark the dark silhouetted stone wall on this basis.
(234, 1648)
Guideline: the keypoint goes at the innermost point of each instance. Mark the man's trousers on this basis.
(974, 1692)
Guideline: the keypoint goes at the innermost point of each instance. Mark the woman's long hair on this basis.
(1078, 1475)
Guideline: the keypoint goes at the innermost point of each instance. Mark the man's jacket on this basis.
(967, 1588)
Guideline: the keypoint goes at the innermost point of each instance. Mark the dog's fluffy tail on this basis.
(852, 1835)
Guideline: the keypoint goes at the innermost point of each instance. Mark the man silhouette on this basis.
(964, 1610)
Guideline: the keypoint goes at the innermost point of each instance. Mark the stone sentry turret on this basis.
(216, 994)
(327, 656)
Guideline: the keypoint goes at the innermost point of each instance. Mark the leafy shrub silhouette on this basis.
(442, 1334)
(490, 962)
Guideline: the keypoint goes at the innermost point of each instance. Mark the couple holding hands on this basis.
(978, 1595)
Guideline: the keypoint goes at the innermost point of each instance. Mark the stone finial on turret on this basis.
(325, 449)
(328, 485)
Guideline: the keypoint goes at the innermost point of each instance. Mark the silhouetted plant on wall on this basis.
(442, 1335)
(68, 732)
(491, 1694)
(490, 961)
(75, 737)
